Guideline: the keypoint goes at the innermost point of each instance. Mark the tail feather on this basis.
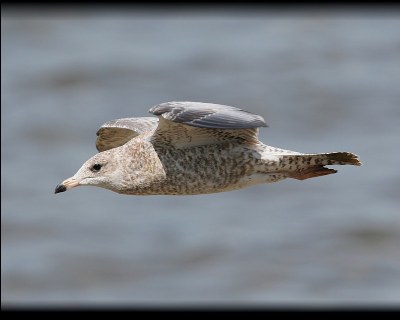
(343, 158)
(321, 159)
(307, 166)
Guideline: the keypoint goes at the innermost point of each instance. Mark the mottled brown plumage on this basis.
(193, 148)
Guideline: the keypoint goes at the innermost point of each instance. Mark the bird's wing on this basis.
(186, 124)
(117, 132)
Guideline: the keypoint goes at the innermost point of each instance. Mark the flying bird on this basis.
(193, 148)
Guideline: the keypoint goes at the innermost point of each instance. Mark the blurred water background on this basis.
(323, 80)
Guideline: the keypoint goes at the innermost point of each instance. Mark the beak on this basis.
(66, 184)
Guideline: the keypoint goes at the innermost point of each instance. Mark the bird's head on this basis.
(101, 170)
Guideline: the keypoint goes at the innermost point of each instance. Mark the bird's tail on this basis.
(313, 165)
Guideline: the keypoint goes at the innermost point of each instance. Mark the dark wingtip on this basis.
(60, 188)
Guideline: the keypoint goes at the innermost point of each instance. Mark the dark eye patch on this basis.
(96, 167)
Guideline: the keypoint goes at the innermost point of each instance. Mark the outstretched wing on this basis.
(117, 132)
(186, 124)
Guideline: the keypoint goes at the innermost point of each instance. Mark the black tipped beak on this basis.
(60, 188)
(66, 185)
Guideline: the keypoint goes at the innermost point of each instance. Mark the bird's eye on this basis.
(96, 167)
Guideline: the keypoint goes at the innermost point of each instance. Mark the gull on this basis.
(193, 148)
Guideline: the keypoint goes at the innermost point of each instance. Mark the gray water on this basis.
(324, 81)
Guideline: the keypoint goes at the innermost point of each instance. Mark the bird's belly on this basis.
(211, 170)
(207, 169)
(195, 185)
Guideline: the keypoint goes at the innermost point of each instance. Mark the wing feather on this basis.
(117, 132)
(186, 124)
(208, 115)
